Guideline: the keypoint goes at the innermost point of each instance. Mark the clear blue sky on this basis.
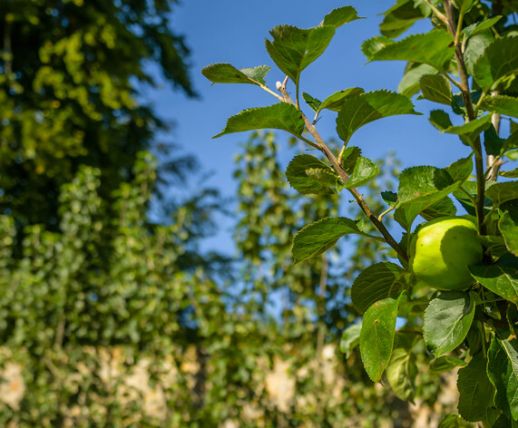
(234, 31)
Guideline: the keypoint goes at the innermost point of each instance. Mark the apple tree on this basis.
(453, 278)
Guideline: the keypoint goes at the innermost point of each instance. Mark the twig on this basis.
(493, 162)
(437, 12)
(322, 146)
(477, 145)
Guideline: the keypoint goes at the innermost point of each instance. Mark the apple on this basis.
(442, 250)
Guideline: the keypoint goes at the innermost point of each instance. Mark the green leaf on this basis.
(313, 102)
(365, 108)
(278, 116)
(227, 73)
(421, 187)
(511, 351)
(443, 208)
(293, 49)
(480, 27)
(440, 120)
(350, 339)
(461, 169)
(400, 18)
(315, 238)
(341, 16)
(502, 370)
(377, 282)
(401, 373)
(502, 104)
(360, 169)
(501, 278)
(435, 87)
(472, 127)
(446, 363)
(513, 173)
(433, 48)
(377, 336)
(409, 84)
(499, 61)
(454, 421)
(309, 175)
(464, 6)
(447, 320)
(467, 132)
(475, 49)
(500, 193)
(375, 44)
(335, 101)
(508, 225)
(476, 391)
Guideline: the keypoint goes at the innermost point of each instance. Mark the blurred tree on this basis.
(70, 86)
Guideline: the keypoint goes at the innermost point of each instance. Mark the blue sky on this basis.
(234, 31)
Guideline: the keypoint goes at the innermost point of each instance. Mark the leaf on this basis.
(435, 87)
(421, 187)
(227, 73)
(293, 49)
(492, 142)
(461, 169)
(375, 44)
(454, 421)
(400, 18)
(440, 120)
(377, 282)
(409, 85)
(502, 370)
(433, 48)
(313, 102)
(447, 320)
(309, 175)
(278, 116)
(502, 104)
(472, 127)
(508, 225)
(341, 16)
(315, 238)
(476, 391)
(511, 351)
(368, 107)
(446, 363)
(401, 373)
(513, 173)
(475, 49)
(464, 6)
(499, 61)
(500, 193)
(335, 101)
(443, 208)
(467, 132)
(350, 339)
(360, 169)
(480, 27)
(377, 336)
(501, 278)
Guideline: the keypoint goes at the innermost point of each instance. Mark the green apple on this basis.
(442, 250)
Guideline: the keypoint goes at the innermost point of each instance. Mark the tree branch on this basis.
(465, 90)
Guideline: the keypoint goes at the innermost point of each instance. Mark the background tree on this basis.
(71, 95)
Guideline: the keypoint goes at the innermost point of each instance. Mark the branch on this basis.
(322, 146)
(465, 90)
(357, 195)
